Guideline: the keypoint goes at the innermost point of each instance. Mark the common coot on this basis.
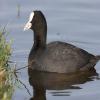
(56, 56)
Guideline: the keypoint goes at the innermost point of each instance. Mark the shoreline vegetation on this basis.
(6, 87)
(8, 72)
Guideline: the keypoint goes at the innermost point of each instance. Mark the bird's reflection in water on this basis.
(42, 81)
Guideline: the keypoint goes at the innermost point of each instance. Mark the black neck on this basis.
(39, 26)
(40, 39)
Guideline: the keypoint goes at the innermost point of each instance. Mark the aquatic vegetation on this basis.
(5, 51)
(6, 87)
(18, 10)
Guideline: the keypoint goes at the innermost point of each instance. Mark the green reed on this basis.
(6, 87)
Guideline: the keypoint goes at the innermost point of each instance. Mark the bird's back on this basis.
(61, 57)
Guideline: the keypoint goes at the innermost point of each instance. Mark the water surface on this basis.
(73, 21)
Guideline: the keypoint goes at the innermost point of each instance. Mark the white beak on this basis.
(27, 26)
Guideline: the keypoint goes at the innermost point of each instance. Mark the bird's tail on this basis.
(98, 57)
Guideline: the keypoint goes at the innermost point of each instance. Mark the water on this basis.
(75, 21)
